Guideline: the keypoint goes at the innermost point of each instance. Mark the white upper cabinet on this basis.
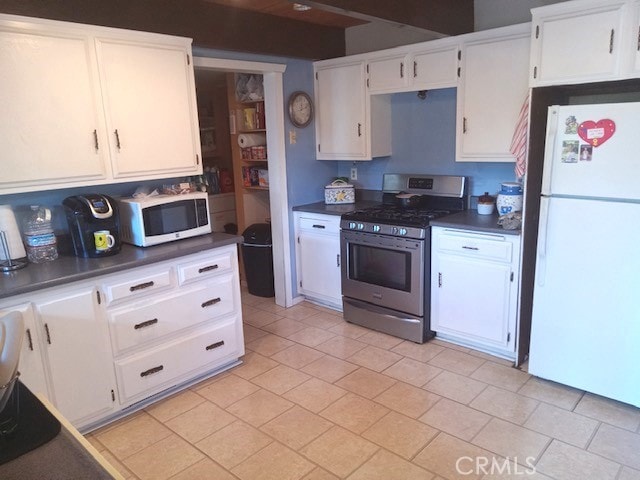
(435, 67)
(388, 73)
(584, 41)
(418, 67)
(51, 124)
(349, 125)
(491, 90)
(67, 88)
(149, 108)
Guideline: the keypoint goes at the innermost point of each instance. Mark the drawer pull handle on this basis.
(208, 268)
(213, 301)
(470, 248)
(29, 339)
(215, 345)
(141, 286)
(318, 226)
(151, 371)
(148, 323)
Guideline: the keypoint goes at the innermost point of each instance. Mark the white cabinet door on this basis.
(435, 68)
(341, 112)
(318, 257)
(51, 123)
(474, 288)
(577, 46)
(389, 73)
(472, 299)
(492, 89)
(149, 103)
(30, 364)
(76, 340)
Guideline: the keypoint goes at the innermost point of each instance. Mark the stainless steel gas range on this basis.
(385, 253)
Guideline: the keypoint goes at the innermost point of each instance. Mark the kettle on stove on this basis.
(94, 224)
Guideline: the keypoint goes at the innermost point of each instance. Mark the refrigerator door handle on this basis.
(549, 149)
(541, 263)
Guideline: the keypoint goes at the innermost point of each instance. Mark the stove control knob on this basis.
(403, 231)
(360, 226)
(394, 230)
(376, 228)
(352, 225)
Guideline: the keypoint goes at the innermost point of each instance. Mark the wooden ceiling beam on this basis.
(449, 17)
(210, 25)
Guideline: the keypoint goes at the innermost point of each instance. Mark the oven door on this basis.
(384, 271)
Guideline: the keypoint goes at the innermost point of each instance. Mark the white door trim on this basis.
(278, 198)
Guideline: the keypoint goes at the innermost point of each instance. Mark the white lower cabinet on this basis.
(318, 258)
(30, 365)
(78, 353)
(156, 368)
(474, 288)
(97, 347)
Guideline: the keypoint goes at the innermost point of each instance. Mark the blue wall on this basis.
(424, 141)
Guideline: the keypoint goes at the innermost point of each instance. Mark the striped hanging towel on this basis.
(519, 142)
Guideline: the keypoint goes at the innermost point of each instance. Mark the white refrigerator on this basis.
(585, 328)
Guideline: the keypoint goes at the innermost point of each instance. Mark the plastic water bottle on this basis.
(39, 238)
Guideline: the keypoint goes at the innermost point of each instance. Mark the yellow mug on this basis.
(103, 240)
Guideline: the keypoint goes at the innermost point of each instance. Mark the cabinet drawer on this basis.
(320, 224)
(138, 325)
(151, 371)
(476, 246)
(205, 267)
(138, 285)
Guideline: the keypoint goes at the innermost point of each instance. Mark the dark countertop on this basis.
(68, 268)
(339, 209)
(471, 220)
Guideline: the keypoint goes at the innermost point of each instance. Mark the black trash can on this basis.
(257, 255)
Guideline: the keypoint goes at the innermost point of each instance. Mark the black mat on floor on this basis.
(36, 426)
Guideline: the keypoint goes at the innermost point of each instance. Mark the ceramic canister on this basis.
(509, 198)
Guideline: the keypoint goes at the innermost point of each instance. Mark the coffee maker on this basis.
(94, 224)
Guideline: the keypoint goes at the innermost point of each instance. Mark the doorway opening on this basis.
(253, 203)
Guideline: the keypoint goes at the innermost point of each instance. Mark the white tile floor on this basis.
(318, 398)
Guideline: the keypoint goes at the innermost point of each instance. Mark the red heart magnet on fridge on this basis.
(596, 133)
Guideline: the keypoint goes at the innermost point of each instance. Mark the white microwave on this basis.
(163, 218)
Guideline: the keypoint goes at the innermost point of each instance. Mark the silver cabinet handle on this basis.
(401, 69)
(95, 140)
(470, 248)
(46, 329)
(359, 129)
(439, 280)
(338, 260)
(318, 226)
(415, 69)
